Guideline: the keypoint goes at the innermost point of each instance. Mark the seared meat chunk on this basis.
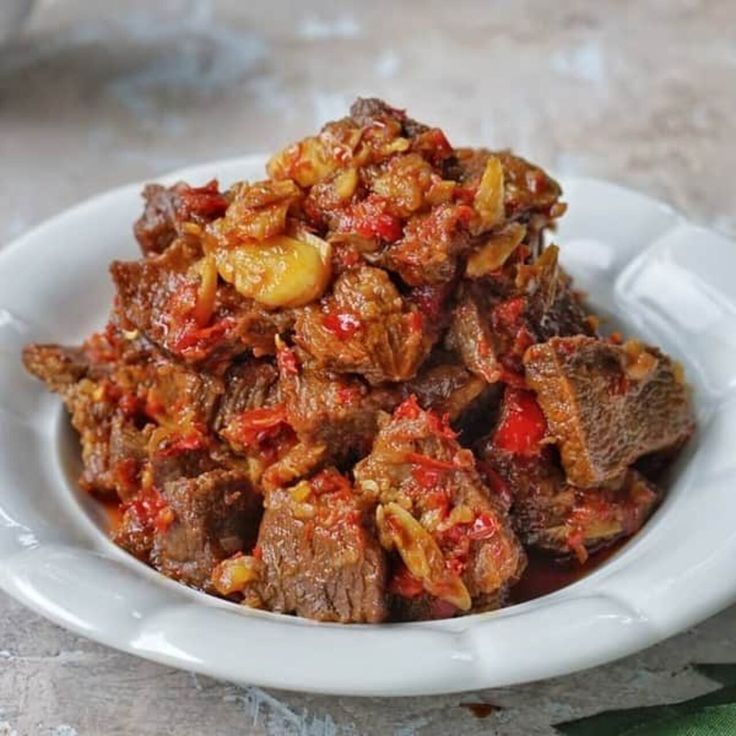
(551, 515)
(527, 188)
(337, 411)
(365, 327)
(494, 322)
(192, 524)
(317, 556)
(450, 532)
(168, 208)
(57, 366)
(446, 388)
(251, 384)
(607, 405)
(161, 297)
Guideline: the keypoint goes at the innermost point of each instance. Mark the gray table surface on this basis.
(93, 95)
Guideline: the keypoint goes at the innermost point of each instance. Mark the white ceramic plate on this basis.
(665, 280)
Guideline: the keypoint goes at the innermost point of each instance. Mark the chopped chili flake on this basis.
(404, 584)
(523, 426)
(409, 409)
(257, 552)
(342, 325)
(187, 443)
(253, 426)
(416, 322)
(205, 201)
(506, 315)
(193, 336)
(484, 527)
(369, 219)
(287, 361)
(129, 404)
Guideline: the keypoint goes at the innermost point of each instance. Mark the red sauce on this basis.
(545, 575)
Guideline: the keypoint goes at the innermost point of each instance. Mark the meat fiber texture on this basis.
(362, 388)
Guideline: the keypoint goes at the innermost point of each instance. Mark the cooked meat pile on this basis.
(363, 389)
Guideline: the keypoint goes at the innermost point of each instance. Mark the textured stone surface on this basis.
(641, 92)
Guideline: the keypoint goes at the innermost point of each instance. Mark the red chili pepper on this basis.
(287, 361)
(253, 426)
(404, 584)
(151, 510)
(342, 325)
(430, 462)
(506, 315)
(370, 220)
(522, 426)
(330, 481)
(186, 443)
(484, 527)
(206, 201)
(129, 404)
(416, 321)
(408, 409)
(257, 552)
(201, 337)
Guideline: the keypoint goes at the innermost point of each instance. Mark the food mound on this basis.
(363, 389)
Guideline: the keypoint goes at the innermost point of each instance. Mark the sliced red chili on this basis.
(523, 426)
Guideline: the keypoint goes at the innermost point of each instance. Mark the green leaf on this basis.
(717, 720)
(618, 722)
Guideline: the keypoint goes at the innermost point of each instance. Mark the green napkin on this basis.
(712, 714)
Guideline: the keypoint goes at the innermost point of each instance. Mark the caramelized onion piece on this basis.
(421, 554)
(278, 272)
(207, 291)
(488, 202)
(234, 574)
(494, 253)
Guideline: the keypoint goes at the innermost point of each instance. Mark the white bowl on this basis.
(664, 279)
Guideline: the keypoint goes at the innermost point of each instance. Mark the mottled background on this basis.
(93, 95)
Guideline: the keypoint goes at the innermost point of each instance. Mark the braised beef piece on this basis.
(214, 515)
(57, 366)
(367, 110)
(92, 381)
(607, 405)
(365, 327)
(158, 296)
(319, 559)
(251, 384)
(168, 208)
(450, 531)
(192, 524)
(445, 388)
(339, 412)
(428, 251)
(551, 515)
(495, 321)
(527, 188)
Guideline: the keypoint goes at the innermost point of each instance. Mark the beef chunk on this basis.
(527, 188)
(158, 297)
(58, 367)
(365, 327)
(168, 208)
(212, 517)
(251, 384)
(428, 251)
(494, 323)
(369, 110)
(607, 405)
(471, 337)
(339, 412)
(446, 388)
(318, 558)
(451, 533)
(551, 515)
